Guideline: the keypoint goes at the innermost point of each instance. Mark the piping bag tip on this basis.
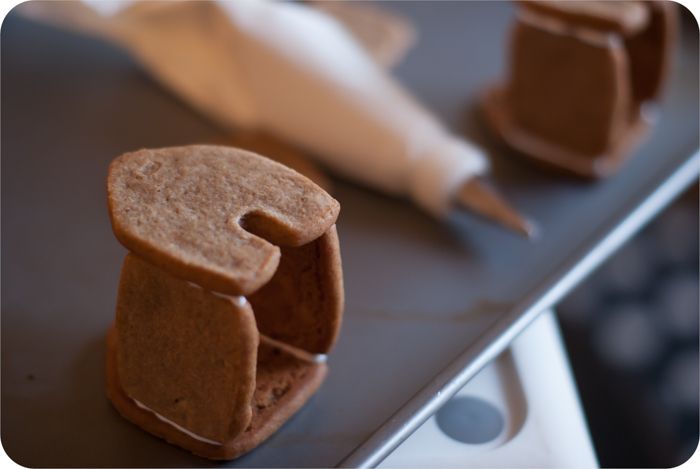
(480, 197)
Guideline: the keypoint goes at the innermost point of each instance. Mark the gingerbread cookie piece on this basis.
(648, 28)
(302, 304)
(284, 384)
(210, 214)
(551, 98)
(651, 49)
(184, 352)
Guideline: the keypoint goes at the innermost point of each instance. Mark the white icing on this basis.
(239, 300)
(175, 425)
(296, 352)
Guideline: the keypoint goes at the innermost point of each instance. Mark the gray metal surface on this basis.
(427, 303)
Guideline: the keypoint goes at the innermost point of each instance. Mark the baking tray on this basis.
(428, 304)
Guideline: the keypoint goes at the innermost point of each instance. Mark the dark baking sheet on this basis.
(420, 295)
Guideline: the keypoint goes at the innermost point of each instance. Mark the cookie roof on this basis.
(214, 215)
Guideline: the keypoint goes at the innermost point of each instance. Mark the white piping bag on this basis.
(295, 72)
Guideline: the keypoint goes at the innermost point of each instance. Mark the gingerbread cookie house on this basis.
(580, 74)
(231, 292)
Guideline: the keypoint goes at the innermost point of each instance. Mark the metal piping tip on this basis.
(479, 197)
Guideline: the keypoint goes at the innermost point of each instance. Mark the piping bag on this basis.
(297, 73)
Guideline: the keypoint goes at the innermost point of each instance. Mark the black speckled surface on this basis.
(632, 336)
